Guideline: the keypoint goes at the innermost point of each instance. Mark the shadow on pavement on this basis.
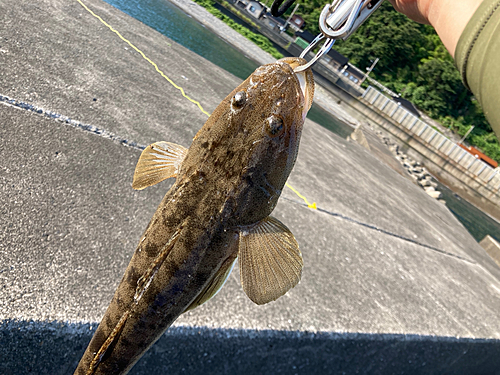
(55, 348)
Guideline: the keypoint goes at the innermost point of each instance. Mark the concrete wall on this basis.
(467, 177)
(462, 172)
(437, 141)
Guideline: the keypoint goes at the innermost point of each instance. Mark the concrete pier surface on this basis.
(392, 282)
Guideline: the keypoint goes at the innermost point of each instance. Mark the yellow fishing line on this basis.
(145, 57)
(310, 205)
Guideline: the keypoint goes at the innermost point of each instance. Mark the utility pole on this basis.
(289, 18)
(466, 135)
(368, 70)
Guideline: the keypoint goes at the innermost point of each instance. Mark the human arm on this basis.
(448, 17)
(470, 29)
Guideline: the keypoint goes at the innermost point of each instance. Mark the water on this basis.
(477, 223)
(181, 28)
(325, 119)
(176, 25)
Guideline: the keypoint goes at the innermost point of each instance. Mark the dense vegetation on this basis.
(258, 39)
(413, 62)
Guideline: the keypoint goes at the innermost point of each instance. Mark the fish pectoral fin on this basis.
(158, 161)
(270, 260)
(216, 284)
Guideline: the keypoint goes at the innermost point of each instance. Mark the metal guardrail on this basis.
(433, 138)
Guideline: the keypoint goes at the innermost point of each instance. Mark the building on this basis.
(340, 63)
(336, 60)
(479, 155)
(254, 8)
(274, 23)
(305, 35)
(303, 38)
(240, 3)
(296, 22)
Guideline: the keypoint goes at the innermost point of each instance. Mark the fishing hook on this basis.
(338, 20)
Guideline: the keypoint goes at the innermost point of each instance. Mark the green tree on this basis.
(413, 62)
(397, 41)
(439, 90)
(310, 11)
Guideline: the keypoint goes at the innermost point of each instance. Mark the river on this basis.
(169, 20)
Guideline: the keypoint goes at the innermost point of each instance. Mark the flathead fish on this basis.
(227, 184)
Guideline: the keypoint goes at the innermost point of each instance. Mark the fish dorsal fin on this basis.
(216, 284)
(270, 260)
(158, 161)
(108, 344)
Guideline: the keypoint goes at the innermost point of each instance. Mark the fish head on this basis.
(281, 99)
(272, 105)
(248, 146)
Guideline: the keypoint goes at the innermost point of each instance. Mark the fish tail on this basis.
(102, 355)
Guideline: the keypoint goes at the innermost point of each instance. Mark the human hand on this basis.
(417, 10)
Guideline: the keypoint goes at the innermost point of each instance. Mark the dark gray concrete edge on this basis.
(36, 347)
(66, 120)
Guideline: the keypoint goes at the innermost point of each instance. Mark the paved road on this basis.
(392, 281)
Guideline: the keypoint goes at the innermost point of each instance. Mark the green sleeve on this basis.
(478, 59)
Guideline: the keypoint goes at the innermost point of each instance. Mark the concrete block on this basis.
(359, 137)
(492, 247)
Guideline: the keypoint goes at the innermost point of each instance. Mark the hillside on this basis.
(414, 63)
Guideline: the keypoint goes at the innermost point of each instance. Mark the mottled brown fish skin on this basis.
(232, 176)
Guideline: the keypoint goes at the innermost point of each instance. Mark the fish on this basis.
(216, 213)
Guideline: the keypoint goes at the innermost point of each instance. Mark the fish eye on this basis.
(274, 126)
(239, 99)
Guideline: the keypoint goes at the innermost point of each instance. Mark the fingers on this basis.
(417, 10)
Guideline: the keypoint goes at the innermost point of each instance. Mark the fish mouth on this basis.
(307, 90)
(306, 81)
